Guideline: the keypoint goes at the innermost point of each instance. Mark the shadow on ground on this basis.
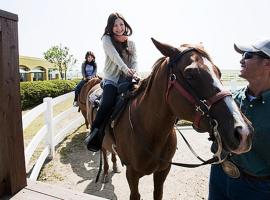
(85, 164)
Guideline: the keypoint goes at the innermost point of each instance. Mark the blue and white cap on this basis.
(261, 46)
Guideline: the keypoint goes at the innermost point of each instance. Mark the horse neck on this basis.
(152, 106)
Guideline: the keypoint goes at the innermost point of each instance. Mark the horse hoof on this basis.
(116, 169)
(105, 179)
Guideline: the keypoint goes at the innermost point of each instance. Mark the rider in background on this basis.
(254, 100)
(89, 70)
(120, 66)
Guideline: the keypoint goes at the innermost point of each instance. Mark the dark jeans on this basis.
(78, 89)
(107, 103)
(223, 187)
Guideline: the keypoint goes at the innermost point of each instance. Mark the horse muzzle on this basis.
(244, 135)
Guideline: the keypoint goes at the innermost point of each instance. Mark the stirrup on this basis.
(92, 141)
(75, 104)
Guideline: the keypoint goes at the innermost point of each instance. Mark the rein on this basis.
(216, 159)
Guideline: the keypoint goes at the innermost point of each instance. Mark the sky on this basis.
(79, 25)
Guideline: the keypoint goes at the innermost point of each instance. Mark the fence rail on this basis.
(48, 132)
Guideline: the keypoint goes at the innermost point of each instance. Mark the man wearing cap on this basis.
(247, 176)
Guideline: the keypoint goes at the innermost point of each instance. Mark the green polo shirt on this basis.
(257, 160)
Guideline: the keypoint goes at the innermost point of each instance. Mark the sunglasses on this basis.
(249, 55)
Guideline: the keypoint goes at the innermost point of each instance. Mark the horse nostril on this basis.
(237, 133)
(243, 137)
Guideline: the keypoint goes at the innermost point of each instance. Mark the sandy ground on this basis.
(75, 168)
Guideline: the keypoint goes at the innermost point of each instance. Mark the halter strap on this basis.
(202, 107)
(172, 82)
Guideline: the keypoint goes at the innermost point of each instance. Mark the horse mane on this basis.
(146, 83)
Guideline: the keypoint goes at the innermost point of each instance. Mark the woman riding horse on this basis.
(120, 66)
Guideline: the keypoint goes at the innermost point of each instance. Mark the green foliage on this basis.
(77, 80)
(32, 93)
(61, 58)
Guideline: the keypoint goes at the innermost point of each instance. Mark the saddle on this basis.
(122, 98)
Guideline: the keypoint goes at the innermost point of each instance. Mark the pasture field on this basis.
(228, 77)
(232, 75)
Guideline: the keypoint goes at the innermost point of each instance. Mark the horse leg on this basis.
(115, 166)
(106, 166)
(159, 179)
(85, 119)
(133, 182)
(86, 124)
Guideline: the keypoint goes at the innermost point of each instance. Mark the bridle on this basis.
(202, 106)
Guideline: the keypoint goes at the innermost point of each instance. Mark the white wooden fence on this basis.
(48, 131)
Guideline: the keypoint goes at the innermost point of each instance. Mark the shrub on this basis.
(32, 93)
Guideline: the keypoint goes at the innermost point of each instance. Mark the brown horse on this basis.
(82, 102)
(184, 84)
(82, 98)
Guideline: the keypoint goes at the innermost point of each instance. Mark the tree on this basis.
(61, 58)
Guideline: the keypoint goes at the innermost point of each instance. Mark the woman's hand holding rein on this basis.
(131, 72)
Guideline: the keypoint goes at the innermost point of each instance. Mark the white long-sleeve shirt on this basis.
(114, 64)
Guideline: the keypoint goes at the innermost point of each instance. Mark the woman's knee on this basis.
(107, 104)
(108, 97)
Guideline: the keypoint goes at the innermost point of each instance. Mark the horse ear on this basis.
(165, 49)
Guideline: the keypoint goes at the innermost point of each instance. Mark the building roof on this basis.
(32, 62)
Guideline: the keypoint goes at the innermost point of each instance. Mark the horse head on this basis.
(195, 93)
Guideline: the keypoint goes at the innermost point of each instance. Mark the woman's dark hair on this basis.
(110, 24)
(93, 62)
(89, 53)
(119, 46)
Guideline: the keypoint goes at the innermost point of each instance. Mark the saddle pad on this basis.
(95, 95)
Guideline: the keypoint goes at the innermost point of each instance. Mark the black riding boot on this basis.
(76, 96)
(92, 141)
(75, 102)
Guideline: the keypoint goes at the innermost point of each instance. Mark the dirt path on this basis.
(75, 168)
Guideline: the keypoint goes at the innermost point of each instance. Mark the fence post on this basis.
(49, 122)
